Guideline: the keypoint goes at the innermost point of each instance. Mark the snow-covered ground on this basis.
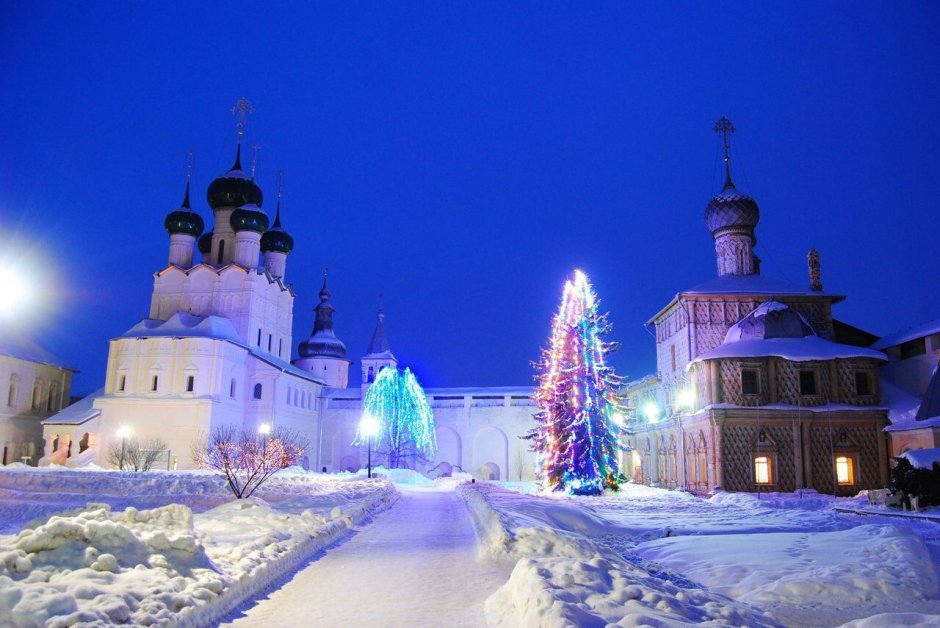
(786, 559)
(174, 548)
(416, 565)
(162, 565)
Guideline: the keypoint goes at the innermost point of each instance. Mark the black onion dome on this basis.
(249, 218)
(277, 239)
(205, 243)
(184, 219)
(731, 208)
(323, 342)
(234, 188)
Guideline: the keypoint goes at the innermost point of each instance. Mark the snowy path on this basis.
(416, 565)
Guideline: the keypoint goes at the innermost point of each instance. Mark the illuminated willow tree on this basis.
(577, 434)
(397, 400)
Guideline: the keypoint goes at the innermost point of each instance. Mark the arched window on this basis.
(221, 251)
(231, 388)
(51, 403)
(37, 394)
(122, 383)
(154, 381)
(371, 376)
(11, 393)
(190, 383)
(257, 393)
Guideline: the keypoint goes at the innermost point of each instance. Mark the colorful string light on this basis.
(577, 435)
(398, 402)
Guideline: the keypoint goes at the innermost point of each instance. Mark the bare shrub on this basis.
(246, 458)
(134, 454)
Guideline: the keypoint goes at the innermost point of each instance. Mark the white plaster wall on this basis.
(20, 422)
(252, 300)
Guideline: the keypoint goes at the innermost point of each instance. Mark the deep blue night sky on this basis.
(464, 157)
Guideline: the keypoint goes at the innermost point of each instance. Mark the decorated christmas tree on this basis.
(577, 433)
(406, 421)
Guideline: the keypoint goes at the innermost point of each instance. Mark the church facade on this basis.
(215, 349)
(757, 387)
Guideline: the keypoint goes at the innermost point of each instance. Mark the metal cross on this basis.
(241, 110)
(725, 129)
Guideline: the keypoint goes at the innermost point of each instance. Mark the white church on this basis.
(215, 349)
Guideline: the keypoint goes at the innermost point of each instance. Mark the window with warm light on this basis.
(762, 470)
(845, 471)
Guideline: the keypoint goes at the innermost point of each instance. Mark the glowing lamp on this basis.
(123, 432)
(651, 410)
(686, 398)
(369, 425)
(13, 291)
(264, 429)
(617, 418)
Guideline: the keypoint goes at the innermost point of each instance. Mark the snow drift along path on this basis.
(416, 565)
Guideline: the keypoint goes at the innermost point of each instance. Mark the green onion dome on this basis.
(234, 188)
(277, 239)
(249, 218)
(184, 219)
(205, 243)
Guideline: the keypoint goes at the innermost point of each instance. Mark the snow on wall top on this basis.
(918, 331)
(22, 348)
(77, 413)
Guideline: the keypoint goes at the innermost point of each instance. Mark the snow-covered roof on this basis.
(22, 348)
(186, 325)
(793, 349)
(930, 406)
(919, 331)
(754, 284)
(77, 413)
(775, 329)
(747, 285)
(902, 406)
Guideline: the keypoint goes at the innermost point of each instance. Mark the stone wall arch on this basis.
(490, 447)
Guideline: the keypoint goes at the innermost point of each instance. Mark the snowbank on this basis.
(166, 565)
(892, 620)
(866, 565)
(562, 578)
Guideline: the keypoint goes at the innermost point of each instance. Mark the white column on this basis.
(182, 246)
(275, 262)
(247, 248)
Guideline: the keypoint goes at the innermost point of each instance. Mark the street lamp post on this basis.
(369, 427)
(264, 429)
(123, 433)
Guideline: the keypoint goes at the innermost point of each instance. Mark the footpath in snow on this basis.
(417, 564)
